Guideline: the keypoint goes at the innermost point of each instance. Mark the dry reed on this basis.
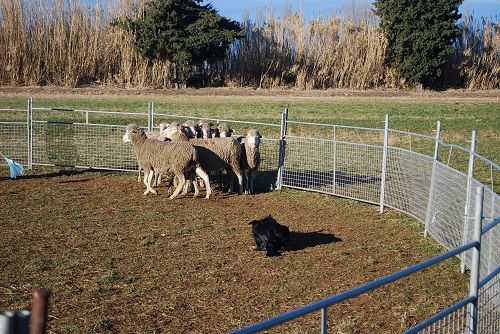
(478, 52)
(72, 43)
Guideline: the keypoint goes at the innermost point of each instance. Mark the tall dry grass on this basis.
(72, 43)
(478, 53)
(327, 52)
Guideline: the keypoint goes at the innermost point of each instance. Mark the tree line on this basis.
(172, 43)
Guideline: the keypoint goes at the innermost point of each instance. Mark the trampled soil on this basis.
(121, 262)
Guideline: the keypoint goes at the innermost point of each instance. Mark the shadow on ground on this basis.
(303, 240)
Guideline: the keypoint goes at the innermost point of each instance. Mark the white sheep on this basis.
(250, 158)
(224, 130)
(217, 154)
(179, 158)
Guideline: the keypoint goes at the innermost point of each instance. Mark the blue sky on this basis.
(234, 9)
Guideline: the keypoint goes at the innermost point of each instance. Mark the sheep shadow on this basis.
(303, 240)
(66, 172)
(265, 181)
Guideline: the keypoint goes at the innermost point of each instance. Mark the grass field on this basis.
(119, 262)
(459, 112)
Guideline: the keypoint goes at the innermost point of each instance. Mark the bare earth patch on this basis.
(120, 262)
(259, 94)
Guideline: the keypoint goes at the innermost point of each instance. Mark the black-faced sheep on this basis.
(156, 156)
(206, 130)
(190, 128)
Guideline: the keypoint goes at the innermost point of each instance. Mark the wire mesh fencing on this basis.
(489, 307)
(14, 134)
(454, 323)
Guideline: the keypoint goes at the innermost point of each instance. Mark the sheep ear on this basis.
(258, 134)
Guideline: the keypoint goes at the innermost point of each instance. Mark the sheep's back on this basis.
(164, 155)
(218, 153)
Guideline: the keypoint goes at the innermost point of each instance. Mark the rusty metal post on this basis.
(39, 311)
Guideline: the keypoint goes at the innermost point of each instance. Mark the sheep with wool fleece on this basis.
(156, 156)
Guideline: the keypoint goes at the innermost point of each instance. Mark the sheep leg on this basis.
(139, 177)
(192, 180)
(147, 181)
(204, 176)
(251, 177)
(245, 181)
(187, 185)
(182, 181)
(230, 181)
(196, 189)
(240, 180)
(157, 181)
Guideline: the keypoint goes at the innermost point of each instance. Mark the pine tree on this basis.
(420, 35)
(190, 35)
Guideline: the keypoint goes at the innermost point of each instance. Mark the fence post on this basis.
(384, 162)
(30, 133)
(152, 115)
(324, 320)
(470, 172)
(433, 180)
(334, 159)
(150, 118)
(281, 154)
(39, 311)
(476, 257)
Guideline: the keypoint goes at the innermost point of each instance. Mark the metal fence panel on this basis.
(82, 145)
(309, 164)
(454, 323)
(448, 206)
(338, 168)
(14, 141)
(489, 307)
(408, 181)
(268, 169)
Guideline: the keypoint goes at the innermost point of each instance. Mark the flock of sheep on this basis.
(184, 151)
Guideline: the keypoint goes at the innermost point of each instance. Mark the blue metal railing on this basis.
(475, 285)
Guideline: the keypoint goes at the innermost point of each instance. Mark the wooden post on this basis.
(39, 311)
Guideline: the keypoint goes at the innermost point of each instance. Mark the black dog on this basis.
(270, 236)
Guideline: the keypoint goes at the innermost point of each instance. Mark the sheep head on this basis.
(206, 131)
(253, 139)
(163, 126)
(225, 130)
(133, 132)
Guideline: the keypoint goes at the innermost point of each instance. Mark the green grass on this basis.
(458, 117)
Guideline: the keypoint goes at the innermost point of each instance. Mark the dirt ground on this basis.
(121, 262)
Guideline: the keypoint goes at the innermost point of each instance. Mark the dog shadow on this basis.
(303, 240)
